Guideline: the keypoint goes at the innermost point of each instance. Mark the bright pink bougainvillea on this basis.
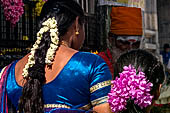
(13, 10)
(130, 85)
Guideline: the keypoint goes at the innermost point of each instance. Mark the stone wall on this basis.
(164, 21)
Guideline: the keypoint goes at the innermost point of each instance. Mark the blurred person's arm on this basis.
(102, 108)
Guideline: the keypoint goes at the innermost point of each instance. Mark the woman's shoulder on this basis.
(91, 59)
(90, 56)
(8, 68)
(20, 64)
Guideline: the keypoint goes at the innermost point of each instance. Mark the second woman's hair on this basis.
(147, 63)
(65, 13)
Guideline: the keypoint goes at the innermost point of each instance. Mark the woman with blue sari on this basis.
(55, 77)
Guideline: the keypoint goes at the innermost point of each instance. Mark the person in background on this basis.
(164, 98)
(138, 77)
(166, 53)
(55, 76)
(166, 59)
(125, 33)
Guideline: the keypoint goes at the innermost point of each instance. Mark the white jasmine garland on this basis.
(39, 36)
(35, 46)
(51, 26)
(32, 52)
(46, 29)
(38, 42)
(42, 30)
(55, 41)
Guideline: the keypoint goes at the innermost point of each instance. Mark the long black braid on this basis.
(31, 99)
(65, 12)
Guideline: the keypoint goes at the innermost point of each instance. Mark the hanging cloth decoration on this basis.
(126, 21)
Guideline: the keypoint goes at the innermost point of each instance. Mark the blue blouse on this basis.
(84, 82)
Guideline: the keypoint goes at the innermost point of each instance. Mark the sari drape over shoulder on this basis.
(3, 93)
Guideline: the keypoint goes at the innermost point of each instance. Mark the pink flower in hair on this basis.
(130, 85)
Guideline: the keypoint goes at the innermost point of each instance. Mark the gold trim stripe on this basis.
(100, 85)
(86, 107)
(56, 106)
(99, 101)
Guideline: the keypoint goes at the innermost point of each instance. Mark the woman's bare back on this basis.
(63, 55)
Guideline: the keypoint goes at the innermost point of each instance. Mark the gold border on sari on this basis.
(99, 101)
(86, 107)
(56, 106)
(100, 85)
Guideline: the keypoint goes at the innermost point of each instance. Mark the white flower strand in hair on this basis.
(50, 24)
(54, 39)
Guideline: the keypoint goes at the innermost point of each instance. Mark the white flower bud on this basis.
(53, 30)
(46, 28)
(53, 34)
(32, 52)
(53, 26)
(26, 66)
(38, 42)
(52, 45)
(39, 38)
(41, 31)
(35, 46)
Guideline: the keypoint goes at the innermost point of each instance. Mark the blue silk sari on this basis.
(83, 83)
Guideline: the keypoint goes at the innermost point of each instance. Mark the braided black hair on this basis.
(147, 63)
(65, 12)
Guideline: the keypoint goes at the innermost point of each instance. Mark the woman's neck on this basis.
(64, 43)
